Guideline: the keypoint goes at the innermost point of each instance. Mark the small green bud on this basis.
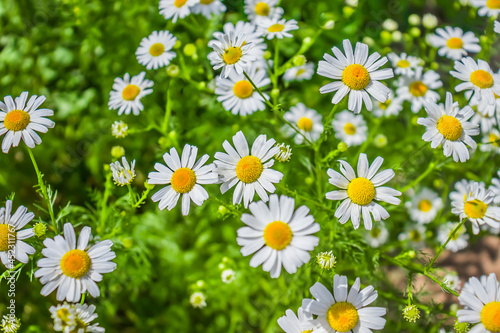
(117, 152)
(148, 186)
(128, 243)
(380, 141)
(309, 180)
(386, 36)
(200, 284)
(414, 19)
(222, 210)
(415, 32)
(275, 93)
(461, 327)
(342, 147)
(299, 60)
(40, 229)
(411, 254)
(411, 313)
(173, 70)
(177, 44)
(267, 55)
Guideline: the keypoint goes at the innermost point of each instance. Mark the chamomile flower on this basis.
(418, 88)
(299, 73)
(356, 75)
(227, 276)
(491, 142)
(176, 9)
(12, 237)
(251, 35)
(345, 310)
(232, 53)
(71, 268)
(183, 177)
(278, 234)
(404, 64)
(10, 324)
(238, 95)
(21, 119)
(487, 7)
(278, 28)
(291, 323)
(326, 260)
(461, 187)
(249, 171)
(127, 94)
(198, 300)
(124, 173)
(482, 305)
(209, 8)
(308, 122)
(75, 318)
(377, 236)
(424, 206)
(458, 242)
(486, 123)
(119, 129)
(350, 128)
(447, 125)
(260, 10)
(452, 281)
(453, 43)
(477, 207)
(284, 154)
(415, 235)
(477, 77)
(359, 194)
(391, 107)
(155, 51)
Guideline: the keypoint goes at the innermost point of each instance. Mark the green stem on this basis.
(275, 66)
(168, 109)
(143, 198)
(443, 246)
(429, 169)
(45, 193)
(131, 195)
(107, 192)
(410, 294)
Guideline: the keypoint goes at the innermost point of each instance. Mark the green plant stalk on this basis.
(429, 169)
(142, 198)
(168, 108)
(43, 188)
(442, 247)
(107, 192)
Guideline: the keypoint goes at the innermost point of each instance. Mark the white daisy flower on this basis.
(119, 129)
(458, 242)
(453, 43)
(356, 75)
(209, 8)
(12, 237)
(21, 120)
(391, 107)
(487, 8)
(469, 288)
(155, 51)
(184, 176)
(482, 304)
(346, 310)
(486, 123)
(415, 234)
(461, 187)
(232, 52)
(491, 142)
(127, 93)
(237, 94)
(404, 64)
(71, 268)
(419, 88)
(424, 206)
(452, 281)
(307, 121)
(252, 36)
(350, 128)
(75, 318)
(483, 106)
(477, 77)
(176, 9)
(377, 236)
(123, 174)
(284, 154)
(360, 193)
(291, 323)
(447, 124)
(198, 300)
(299, 73)
(249, 170)
(10, 324)
(259, 10)
(278, 28)
(227, 276)
(326, 260)
(495, 188)
(477, 207)
(278, 234)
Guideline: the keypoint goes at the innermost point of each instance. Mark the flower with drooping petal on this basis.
(127, 94)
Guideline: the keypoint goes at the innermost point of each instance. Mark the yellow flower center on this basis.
(494, 139)
(8, 237)
(418, 89)
(349, 129)
(403, 63)
(307, 331)
(206, 2)
(305, 124)
(276, 28)
(425, 205)
(455, 43)
(415, 236)
(249, 169)
(375, 232)
(475, 209)
(384, 105)
(490, 316)
(300, 72)
(361, 191)
(342, 316)
(482, 79)
(16, 120)
(262, 9)
(80, 325)
(63, 314)
(243, 89)
(198, 300)
(130, 92)
(278, 235)
(183, 180)
(450, 127)
(232, 55)
(75, 264)
(157, 49)
(179, 3)
(493, 4)
(356, 77)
